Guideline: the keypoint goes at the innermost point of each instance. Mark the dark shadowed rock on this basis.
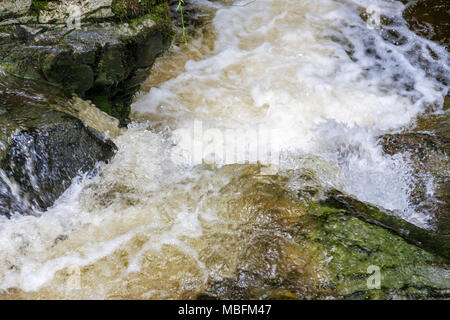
(41, 151)
(431, 19)
(103, 59)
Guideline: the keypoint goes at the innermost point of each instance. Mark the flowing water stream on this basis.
(287, 83)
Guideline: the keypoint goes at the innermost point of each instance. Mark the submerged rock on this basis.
(41, 150)
(305, 249)
(436, 123)
(430, 18)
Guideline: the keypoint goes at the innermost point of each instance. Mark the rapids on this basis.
(291, 84)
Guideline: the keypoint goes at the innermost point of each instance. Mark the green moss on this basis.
(95, 67)
(63, 40)
(430, 241)
(38, 5)
(302, 248)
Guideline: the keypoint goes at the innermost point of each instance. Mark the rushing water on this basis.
(287, 83)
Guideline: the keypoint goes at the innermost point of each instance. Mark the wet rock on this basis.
(428, 155)
(10, 8)
(41, 150)
(430, 241)
(91, 116)
(103, 58)
(302, 248)
(430, 18)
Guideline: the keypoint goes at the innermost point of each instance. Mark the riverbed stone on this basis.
(326, 249)
(302, 248)
(14, 7)
(43, 148)
(98, 58)
(427, 150)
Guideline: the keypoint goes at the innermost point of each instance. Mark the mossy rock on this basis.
(105, 58)
(42, 150)
(420, 14)
(301, 248)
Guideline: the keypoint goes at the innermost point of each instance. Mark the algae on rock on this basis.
(104, 59)
(43, 146)
(300, 248)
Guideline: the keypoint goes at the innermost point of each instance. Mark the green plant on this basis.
(180, 8)
(39, 5)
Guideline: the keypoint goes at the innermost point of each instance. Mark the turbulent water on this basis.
(285, 83)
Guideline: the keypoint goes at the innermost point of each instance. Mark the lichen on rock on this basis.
(92, 50)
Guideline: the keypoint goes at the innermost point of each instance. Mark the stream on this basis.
(282, 84)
